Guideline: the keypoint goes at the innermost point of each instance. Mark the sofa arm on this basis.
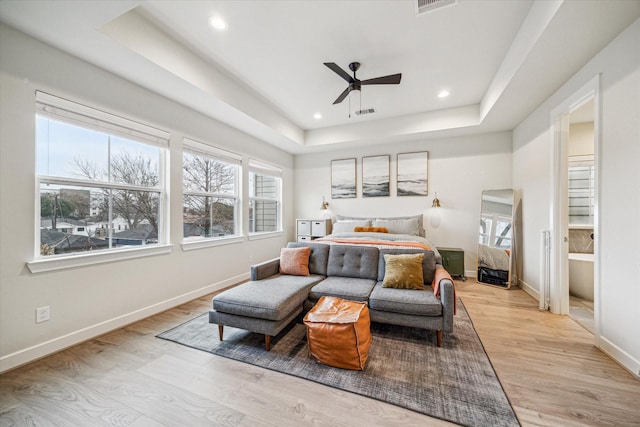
(265, 269)
(447, 297)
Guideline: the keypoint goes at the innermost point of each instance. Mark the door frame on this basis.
(559, 210)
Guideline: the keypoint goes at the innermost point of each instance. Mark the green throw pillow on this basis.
(403, 271)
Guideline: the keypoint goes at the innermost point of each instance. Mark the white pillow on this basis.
(348, 226)
(418, 218)
(398, 226)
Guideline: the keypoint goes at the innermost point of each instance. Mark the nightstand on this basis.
(453, 261)
(309, 229)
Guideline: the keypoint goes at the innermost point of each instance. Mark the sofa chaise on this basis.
(271, 300)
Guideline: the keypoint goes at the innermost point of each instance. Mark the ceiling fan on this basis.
(355, 84)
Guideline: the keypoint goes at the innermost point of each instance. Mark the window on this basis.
(211, 187)
(485, 230)
(100, 179)
(265, 189)
(581, 190)
(503, 233)
(495, 231)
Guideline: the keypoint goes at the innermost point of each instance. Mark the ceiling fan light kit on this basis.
(356, 85)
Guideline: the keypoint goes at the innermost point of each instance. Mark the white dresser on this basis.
(309, 229)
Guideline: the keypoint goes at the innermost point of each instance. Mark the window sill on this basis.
(208, 243)
(266, 235)
(581, 226)
(63, 262)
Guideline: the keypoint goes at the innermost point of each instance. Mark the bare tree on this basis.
(126, 168)
(135, 206)
(89, 170)
(207, 175)
(201, 174)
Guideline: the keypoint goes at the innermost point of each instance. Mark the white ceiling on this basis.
(278, 48)
(265, 74)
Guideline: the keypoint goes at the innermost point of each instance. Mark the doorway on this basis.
(584, 101)
(581, 198)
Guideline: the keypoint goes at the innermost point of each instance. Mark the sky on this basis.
(58, 144)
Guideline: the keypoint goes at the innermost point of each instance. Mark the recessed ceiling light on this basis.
(218, 23)
(443, 94)
(317, 116)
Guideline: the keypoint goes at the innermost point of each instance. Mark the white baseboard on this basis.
(529, 289)
(30, 354)
(620, 356)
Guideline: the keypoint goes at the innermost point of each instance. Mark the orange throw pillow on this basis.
(295, 261)
(371, 229)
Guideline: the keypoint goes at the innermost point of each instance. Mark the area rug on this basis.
(455, 382)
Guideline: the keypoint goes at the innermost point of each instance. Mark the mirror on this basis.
(495, 243)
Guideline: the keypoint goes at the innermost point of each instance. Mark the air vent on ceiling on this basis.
(424, 6)
(366, 111)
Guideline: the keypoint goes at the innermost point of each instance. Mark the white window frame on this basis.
(198, 148)
(587, 164)
(265, 169)
(488, 219)
(492, 236)
(77, 114)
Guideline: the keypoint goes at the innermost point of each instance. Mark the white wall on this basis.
(459, 169)
(581, 139)
(619, 181)
(91, 300)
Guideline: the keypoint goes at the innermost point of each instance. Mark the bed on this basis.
(493, 265)
(394, 232)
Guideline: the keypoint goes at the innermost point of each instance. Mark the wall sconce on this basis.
(435, 217)
(436, 202)
(325, 205)
(324, 210)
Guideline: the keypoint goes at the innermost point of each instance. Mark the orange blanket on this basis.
(376, 242)
(440, 274)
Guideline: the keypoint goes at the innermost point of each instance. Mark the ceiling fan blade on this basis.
(342, 96)
(339, 71)
(392, 79)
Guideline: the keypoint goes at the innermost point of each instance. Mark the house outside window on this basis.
(265, 204)
(211, 201)
(101, 179)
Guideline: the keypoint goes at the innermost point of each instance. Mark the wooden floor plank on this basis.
(547, 364)
(160, 401)
(63, 401)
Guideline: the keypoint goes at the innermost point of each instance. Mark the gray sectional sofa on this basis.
(270, 300)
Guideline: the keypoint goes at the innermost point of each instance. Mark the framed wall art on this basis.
(343, 179)
(412, 173)
(375, 176)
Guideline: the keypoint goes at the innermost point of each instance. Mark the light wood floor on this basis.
(547, 364)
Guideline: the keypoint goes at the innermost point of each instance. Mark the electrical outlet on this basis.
(42, 314)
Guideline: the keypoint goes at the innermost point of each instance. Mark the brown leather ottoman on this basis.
(338, 332)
